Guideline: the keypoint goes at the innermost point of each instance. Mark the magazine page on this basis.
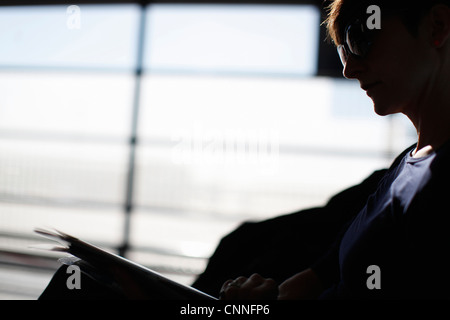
(115, 271)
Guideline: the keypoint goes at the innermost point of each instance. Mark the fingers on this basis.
(253, 288)
(230, 289)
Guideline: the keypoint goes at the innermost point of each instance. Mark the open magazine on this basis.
(103, 266)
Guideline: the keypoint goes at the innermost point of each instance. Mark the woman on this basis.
(398, 246)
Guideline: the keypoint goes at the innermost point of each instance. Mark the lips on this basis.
(369, 86)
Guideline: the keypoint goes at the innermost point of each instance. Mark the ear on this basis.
(440, 24)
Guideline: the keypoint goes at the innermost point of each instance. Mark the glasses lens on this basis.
(358, 39)
(343, 54)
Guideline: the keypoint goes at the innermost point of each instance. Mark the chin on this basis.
(383, 109)
(381, 112)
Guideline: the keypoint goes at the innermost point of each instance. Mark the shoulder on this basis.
(430, 205)
(402, 155)
(441, 162)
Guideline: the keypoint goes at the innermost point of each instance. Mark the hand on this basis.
(303, 285)
(253, 288)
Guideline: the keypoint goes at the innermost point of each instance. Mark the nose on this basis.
(353, 67)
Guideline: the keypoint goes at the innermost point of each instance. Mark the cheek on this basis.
(404, 73)
(394, 96)
(412, 74)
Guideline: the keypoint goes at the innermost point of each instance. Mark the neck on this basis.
(431, 115)
(433, 128)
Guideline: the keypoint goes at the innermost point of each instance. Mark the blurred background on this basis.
(154, 128)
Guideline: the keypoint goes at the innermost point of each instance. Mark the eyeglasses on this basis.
(358, 39)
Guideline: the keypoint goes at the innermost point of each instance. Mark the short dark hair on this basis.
(343, 12)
